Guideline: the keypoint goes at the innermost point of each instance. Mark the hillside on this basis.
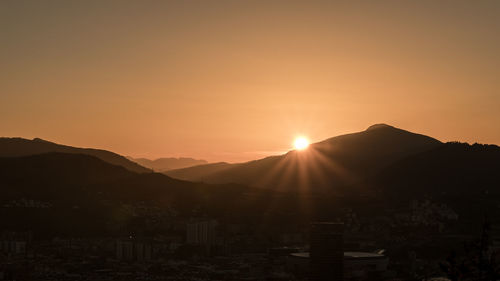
(335, 162)
(76, 194)
(200, 172)
(15, 147)
(449, 171)
(166, 164)
(81, 194)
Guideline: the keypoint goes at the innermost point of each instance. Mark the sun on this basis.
(301, 143)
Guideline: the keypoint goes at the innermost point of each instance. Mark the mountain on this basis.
(59, 168)
(450, 170)
(80, 194)
(14, 147)
(63, 194)
(166, 164)
(336, 162)
(77, 176)
(464, 177)
(199, 172)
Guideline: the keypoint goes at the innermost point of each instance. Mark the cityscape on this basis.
(249, 140)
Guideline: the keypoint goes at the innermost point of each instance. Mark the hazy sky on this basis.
(237, 80)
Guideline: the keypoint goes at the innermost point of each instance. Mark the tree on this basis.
(478, 262)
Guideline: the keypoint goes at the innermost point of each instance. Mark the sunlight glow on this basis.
(301, 143)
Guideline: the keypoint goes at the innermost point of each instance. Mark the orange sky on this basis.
(238, 80)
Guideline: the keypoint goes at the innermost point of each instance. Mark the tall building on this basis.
(15, 243)
(132, 250)
(326, 251)
(201, 232)
(143, 251)
(125, 250)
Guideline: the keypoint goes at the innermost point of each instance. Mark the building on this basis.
(131, 250)
(143, 251)
(356, 265)
(202, 232)
(364, 266)
(14, 243)
(326, 251)
(13, 247)
(124, 250)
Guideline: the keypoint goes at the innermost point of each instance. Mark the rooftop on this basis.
(347, 255)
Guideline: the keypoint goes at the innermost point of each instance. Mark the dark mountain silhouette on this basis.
(166, 164)
(199, 172)
(450, 171)
(83, 196)
(335, 162)
(13, 147)
(87, 195)
(462, 176)
(47, 176)
(59, 168)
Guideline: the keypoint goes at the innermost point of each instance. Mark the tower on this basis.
(326, 251)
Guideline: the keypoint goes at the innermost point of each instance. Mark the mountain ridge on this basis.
(15, 147)
(168, 163)
(84, 194)
(83, 188)
(336, 161)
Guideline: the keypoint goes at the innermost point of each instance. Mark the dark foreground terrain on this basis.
(78, 214)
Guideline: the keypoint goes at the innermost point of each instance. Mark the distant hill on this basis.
(166, 164)
(450, 170)
(14, 147)
(49, 175)
(335, 162)
(83, 195)
(59, 168)
(199, 172)
(465, 177)
(77, 195)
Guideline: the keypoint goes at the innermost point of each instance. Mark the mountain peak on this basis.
(165, 164)
(379, 126)
(18, 147)
(40, 140)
